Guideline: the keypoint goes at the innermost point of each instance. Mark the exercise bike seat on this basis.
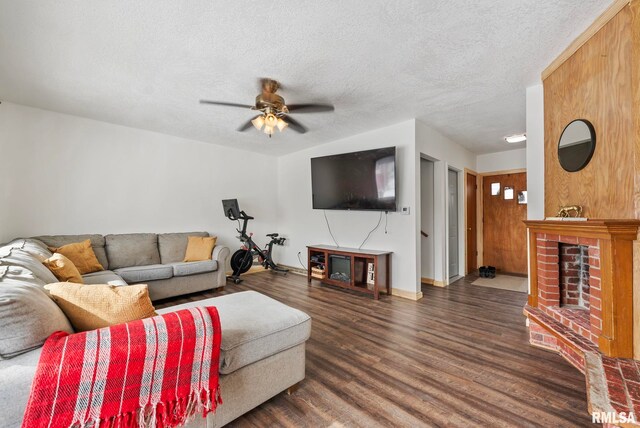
(272, 235)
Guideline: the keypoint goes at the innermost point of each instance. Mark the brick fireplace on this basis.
(580, 304)
(569, 283)
(574, 275)
(581, 286)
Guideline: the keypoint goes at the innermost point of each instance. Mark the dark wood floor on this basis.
(459, 357)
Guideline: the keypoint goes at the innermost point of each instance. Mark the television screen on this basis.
(355, 181)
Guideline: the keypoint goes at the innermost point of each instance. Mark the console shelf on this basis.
(357, 261)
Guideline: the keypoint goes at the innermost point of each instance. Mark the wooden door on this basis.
(472, 229)
(505, 235)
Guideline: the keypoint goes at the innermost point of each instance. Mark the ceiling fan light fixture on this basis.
(282, 124)
(271, 120)
(258, 122)
(268, 130)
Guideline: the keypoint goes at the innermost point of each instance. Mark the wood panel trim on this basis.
(583, 38)
(427, 281)
(596, 228)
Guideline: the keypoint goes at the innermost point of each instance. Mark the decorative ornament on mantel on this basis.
(565, 214)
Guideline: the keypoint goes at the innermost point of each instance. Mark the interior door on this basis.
(505, 234)
(454, 263)
(472, 229)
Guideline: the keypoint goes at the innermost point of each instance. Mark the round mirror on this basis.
(576, 146)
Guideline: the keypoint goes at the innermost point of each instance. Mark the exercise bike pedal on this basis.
(236, 279)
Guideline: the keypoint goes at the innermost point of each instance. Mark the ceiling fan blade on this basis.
(295, 125)
(246, 125)
(222, 103)
(310, 108)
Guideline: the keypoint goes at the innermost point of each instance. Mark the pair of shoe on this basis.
(487, 271)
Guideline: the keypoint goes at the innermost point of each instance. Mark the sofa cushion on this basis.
(200, 248)
(32, 246)
(16, 376)
(103, 277)
(173, 246)
(132, 249)
(63, 268)
(90, 307)
(27, 315)
(97, 243)
(18, 257)
(13, 275)
(82, 256)
(194, 268)
(135, 274)
(254, 327)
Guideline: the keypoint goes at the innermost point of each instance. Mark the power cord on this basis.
(386, 219)
(371, 231)
(300, 260)
(329, 227)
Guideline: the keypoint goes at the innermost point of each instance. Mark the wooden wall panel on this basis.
(600, 82)
(595, 83)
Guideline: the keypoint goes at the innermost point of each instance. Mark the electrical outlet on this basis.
(405, 210)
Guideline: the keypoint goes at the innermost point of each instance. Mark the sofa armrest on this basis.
(221, 254)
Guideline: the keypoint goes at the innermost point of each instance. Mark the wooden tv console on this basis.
(358, 261)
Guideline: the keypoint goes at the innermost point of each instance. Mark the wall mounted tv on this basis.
(355, 181)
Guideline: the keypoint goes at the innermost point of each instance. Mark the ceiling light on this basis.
(282, 124)
(270, 120)
(516, 138)
(268, 130)
(258, 122)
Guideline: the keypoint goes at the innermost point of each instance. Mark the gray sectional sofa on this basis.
(263, 340)
(152, 259)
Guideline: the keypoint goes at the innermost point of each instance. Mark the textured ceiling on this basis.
(459, 66)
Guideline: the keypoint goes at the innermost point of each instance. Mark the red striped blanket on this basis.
(156, 372)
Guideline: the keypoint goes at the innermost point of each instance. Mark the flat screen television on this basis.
(355, 181)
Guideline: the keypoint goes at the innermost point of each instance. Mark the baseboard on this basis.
(406, 294)
(430, 281)
(252, 269)
(295, 270)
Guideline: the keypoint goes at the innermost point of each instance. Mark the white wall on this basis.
(63, 174)
(304, 226)
(535, 152)
(426, 224)
(502, 161)
(446, 154)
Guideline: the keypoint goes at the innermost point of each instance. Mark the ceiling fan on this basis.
(274, 113)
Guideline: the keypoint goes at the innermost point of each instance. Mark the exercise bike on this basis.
(242, 260)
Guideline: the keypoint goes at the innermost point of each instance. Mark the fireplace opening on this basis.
(574, 276)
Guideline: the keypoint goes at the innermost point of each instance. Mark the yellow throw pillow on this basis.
(63, 269)
(200, 248)
(82, 255)
(90, 306)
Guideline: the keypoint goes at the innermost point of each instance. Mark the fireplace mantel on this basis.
(592, 228)
(611, 246)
